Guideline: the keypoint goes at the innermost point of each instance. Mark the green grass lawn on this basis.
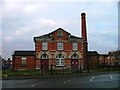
(11, 73)
(6, 73)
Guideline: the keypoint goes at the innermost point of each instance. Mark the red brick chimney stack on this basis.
(84, 37)
(83, 28)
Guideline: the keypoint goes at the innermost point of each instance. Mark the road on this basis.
(87, 81)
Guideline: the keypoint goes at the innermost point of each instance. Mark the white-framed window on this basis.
(75, 46)
(44, 46)
(59, 46)
(24, 61)
(60, 60)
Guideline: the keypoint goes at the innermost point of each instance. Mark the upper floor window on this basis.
(24, 61)
(75, 46)
(44, 46)
(59, 46)
(60, 33)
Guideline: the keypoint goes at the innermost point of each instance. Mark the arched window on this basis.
(60, 56)
(60, 60)
(44, 56)
(74, 56)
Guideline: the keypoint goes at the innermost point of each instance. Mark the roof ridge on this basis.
(59, 29)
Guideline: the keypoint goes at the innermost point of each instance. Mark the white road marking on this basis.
(68, 81)
(111, 77)
(92, 78)
(40, 82)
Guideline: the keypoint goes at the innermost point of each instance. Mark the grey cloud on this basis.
(20, 25)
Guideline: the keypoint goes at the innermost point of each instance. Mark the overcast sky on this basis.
(21, 20)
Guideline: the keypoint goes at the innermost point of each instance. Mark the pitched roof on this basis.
(48, 35)
(45, 35)
(60, 29)
(24, 53)
(74, 37)
(103, 54)
(93, 53)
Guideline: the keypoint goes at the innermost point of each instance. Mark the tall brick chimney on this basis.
(83, 24)
(84, 37)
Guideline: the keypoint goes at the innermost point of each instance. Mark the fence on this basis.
(52, 69)
(67, 69)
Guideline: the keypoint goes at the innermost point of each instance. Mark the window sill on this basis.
(44, 50)
(60, 49)
(75, 50)
(60, 65)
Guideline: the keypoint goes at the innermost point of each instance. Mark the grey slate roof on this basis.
(24, 53)
(60, 29)
(47, 36)
(93, 53)
(74, 37)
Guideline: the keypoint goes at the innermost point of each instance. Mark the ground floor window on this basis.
(60, 60)
(24, 61)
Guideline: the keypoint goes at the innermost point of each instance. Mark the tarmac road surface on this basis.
(87, 81)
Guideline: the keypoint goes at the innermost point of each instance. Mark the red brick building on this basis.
(57, 49)
(23, 60)
(93, 59)
(110, 59)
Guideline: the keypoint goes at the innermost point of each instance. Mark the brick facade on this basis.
(58, 48)
(52, 40)
(29, 62)
(93, 59)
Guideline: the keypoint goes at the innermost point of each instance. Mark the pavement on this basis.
(63, 75)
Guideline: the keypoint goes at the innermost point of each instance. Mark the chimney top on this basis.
(82, 14)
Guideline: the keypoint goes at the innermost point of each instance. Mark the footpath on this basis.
(53, 76)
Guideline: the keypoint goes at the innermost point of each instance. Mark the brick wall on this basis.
(30, 63)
